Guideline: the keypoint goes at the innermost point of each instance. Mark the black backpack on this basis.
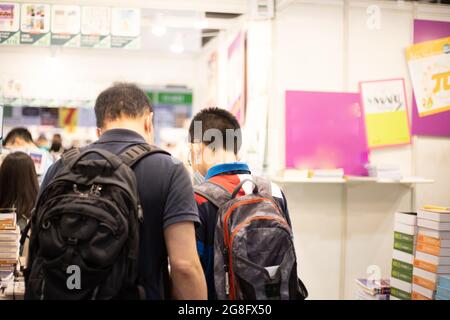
(84, 240)
(254, 255)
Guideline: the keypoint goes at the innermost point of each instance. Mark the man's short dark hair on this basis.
(15, 133)
(217, 119)
(121, 99)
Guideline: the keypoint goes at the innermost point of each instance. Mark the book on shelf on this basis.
(433, 250)
(441, 235)
(443, 293)
(327, 173)
(444, 281)
(373, 287)
(432, 241)
(7, 220)
(428, 293)
(439, 216)
(432, 259)
(435, 225)
(417, 296)
(409, 218)
(400, 290)
(405, 230)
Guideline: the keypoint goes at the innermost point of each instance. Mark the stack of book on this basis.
(9, 240)
(384, 172)
(327, 173)
(443, 288)
(432, 259)
(372, 289)
(405, 230)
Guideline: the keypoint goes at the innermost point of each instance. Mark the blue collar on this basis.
(226, 167)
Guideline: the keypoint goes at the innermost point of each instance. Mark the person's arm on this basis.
(180, 214)
(188, 280)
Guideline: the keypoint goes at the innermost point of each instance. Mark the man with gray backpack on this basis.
(244, 240)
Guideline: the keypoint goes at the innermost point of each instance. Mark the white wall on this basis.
(327, 46)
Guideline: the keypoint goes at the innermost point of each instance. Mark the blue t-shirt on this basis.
(166, 196)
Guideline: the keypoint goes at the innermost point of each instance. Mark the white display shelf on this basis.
(406, 180)
(352, 180)
(308, 180)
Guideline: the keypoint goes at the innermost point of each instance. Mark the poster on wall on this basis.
(429, 67)
(236, 77)
(125, 28)
(9, 23)
(385, 112)
(95, 27)
(49, 117)
(319, 126)
(35, 24)
(434, 124)
(65, 25)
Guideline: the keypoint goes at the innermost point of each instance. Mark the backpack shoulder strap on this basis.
(214, 193)
(264, 185)
(70, 155)
(138, 151)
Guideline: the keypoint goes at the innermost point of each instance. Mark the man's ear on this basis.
(149, 123)
(99, 132)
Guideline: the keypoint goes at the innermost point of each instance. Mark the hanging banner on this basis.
(35, 24)
(65, 24)
(429, 67)
(9, 23)
(236, 80)
(95, 27)
(68, 117)
(386, 113)
(125, 28)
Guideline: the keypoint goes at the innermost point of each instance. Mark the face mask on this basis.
(198, 178)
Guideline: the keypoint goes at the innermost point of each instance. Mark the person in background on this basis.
(56, 148)
(221, 167)
(124, 118)
(20, 139)
(42, 142)
(18, 185)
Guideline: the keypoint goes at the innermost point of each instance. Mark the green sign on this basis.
(12, 38)
(125, 42)
(175, 98)
(37, 39)
(66, 40)
(95, 41)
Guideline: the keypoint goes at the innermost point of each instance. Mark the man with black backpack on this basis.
(111, 215)
(245, 241)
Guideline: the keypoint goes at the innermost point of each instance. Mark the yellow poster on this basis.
(429, 67)
(386, 113)
(68, 117)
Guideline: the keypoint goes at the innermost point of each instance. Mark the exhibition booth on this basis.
(344, 104)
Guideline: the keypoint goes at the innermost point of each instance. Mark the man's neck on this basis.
(125, 124)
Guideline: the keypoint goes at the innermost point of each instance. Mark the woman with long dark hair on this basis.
(18, 185)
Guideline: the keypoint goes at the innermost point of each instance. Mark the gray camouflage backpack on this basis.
(254, 256)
